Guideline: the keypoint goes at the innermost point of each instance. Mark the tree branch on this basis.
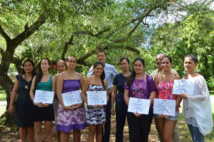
(28, 31)
(91, 33)
(140, 20)
(4, 34)
(65, 48)
(90, 53)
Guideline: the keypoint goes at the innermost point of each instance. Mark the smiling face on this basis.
(60, 66)
(101, 56)
(71, 63)
(166, 64)
(138, 67)
(189, 65)
(98, 70)
(158, 60)
(124, 65)
(28, 67)
(45, 65)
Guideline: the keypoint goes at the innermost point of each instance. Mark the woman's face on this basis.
(124, 65)
(165, 64)
(98, 70)
(60, 66)
(71, 63)
(44, 65)
(28, 67)
(189, 65)
(138, 67)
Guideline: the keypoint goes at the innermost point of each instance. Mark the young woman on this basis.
(95, 115)
(197, 106)
(43, 112)
(164, 82)
(72, 118)
(60, 67)
(139, 86)
(23, 105)
(118, 95)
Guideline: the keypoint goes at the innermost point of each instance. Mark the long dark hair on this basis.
(39, 73)
(24, 62)
(102, 77)
(192, 57)
(133, 74)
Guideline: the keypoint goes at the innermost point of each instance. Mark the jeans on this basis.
(139, 127)
(196, 134)
(121, 111)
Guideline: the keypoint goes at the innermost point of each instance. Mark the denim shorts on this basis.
(171, 117)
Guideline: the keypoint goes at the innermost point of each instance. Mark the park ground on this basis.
(8, 134)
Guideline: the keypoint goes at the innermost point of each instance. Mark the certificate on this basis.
(72, 98)
(183, 86)
(97, 98)
(43, 97)
(140, 106)
(164, 107)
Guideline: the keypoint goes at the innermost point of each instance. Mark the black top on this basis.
(119, 82)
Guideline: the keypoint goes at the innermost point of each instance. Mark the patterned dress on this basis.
(70, 120)
(95, 115)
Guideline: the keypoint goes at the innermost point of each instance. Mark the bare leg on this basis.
(30, 134)
(91, 133)
(37, 130)
(159, 122)
(64, 137)
(48, 131)
(168, 130)
(77, 136)
(22, 134)
(99, 131)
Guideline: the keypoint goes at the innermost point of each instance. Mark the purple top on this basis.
(141, 88)
(70, 85)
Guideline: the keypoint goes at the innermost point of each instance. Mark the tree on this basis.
(57, 28)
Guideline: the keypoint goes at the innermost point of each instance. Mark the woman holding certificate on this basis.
(197, 105)
(71, 113)
(118, 96)
(164, 81)
(42, 83)
(23, 104)
(140, 87)
(95, 115)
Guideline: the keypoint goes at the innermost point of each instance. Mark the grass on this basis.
(2, 95)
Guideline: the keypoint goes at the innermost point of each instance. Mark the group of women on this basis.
(128, 83)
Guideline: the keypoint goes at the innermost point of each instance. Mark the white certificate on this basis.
(183, 86)
(72, 98)
(140, 106)
(97, 98)
(44, 97)
(164, 107)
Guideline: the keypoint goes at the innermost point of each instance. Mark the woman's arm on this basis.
(59, 84)
(13, 96)
(126, 96)
(32, 88)
(113, 94)
(83, 88)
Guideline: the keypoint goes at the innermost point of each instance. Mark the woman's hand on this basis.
(184, 96)
(137, 114)
(11, 109)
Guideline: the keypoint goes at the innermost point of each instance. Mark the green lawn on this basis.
(2, 95)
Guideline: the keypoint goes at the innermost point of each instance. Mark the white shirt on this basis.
(110, 73)
(197, 107)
